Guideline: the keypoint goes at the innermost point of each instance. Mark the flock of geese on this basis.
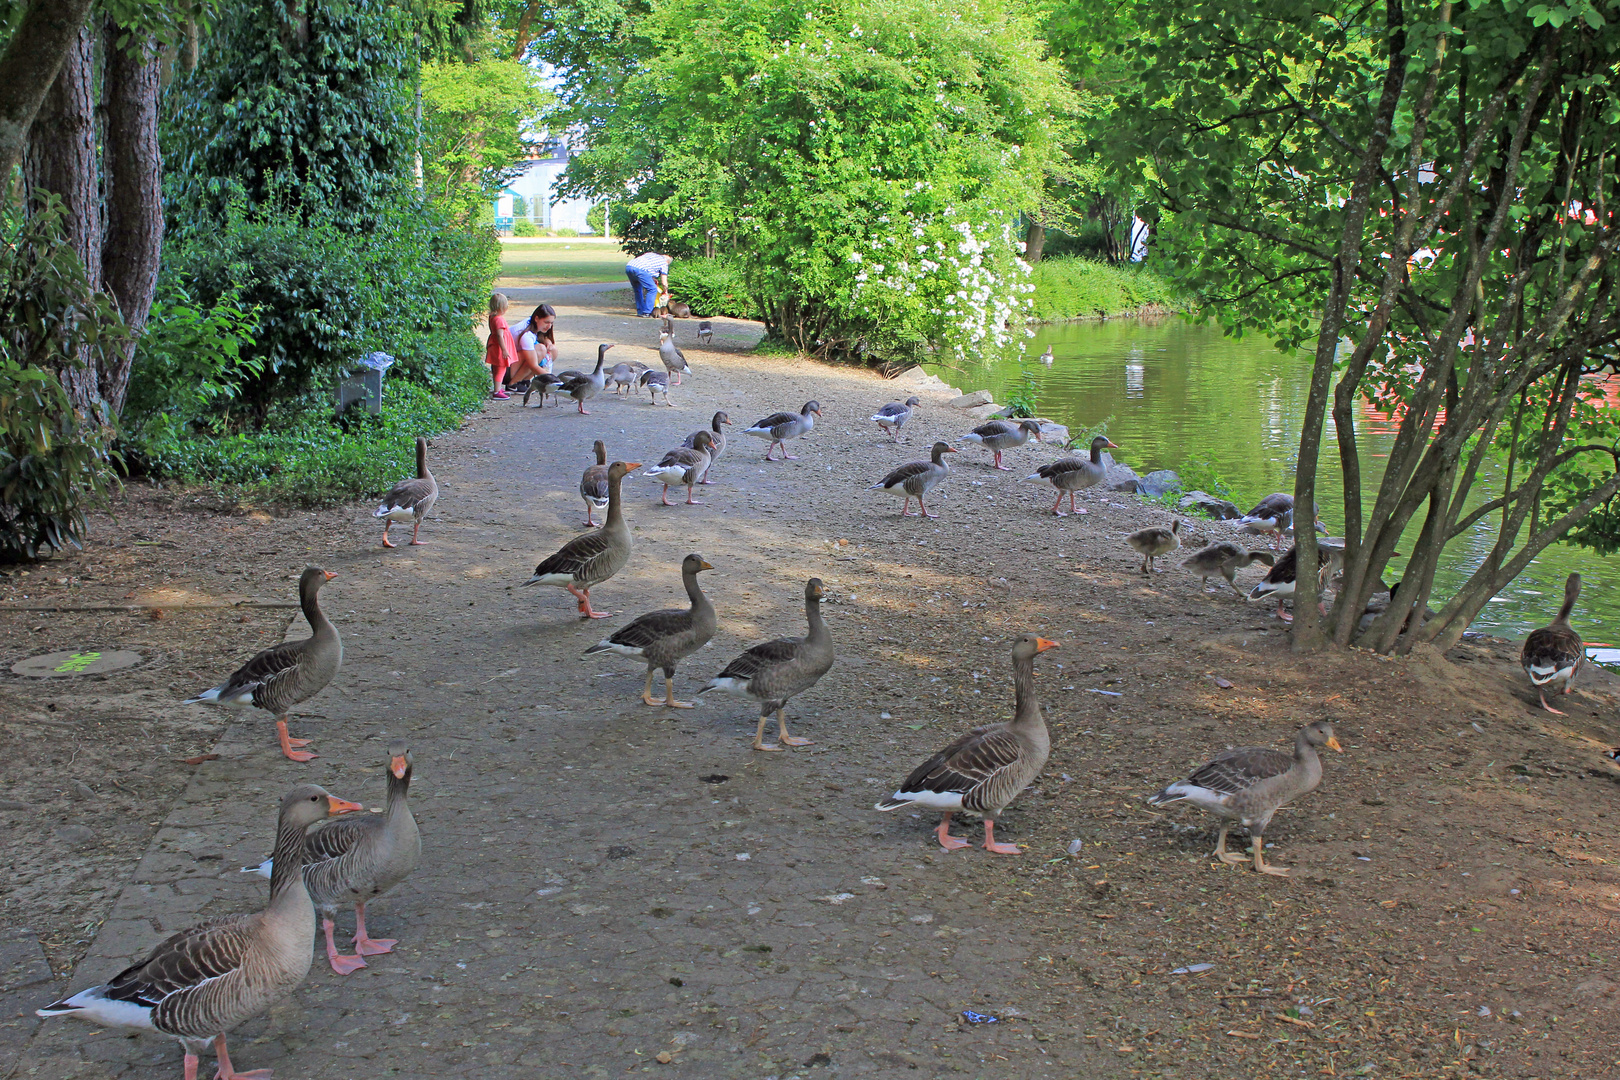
(201, 983)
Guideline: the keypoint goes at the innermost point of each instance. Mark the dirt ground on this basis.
(607, 886)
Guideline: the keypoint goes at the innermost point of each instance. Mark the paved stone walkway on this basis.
(602, 882)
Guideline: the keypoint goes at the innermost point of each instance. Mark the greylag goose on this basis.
(656, 382)
(683, 465)
(915, 479)
(705, 331)
(1553, 654)
(666, 325)
(357, 859)
(593, 557)
(1270, 516)
(410, 500)
(1046, 357)
(543, 384)
(583, 387)
(666, 637)
(287, 674)
(1152, 542)
(778, 428)
(999, 435)
(1279, 580)
(893, 416)
(1247, 785)
(773, 672)
(1376, 606)
(674, 360)
(717, 439)
(1226, 559)
(1070, 474)
(593, 484)
(986, 769)
(623, 377)
(200, 984)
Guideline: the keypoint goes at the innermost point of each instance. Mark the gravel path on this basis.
(609, 888)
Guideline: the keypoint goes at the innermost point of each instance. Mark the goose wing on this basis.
(652, 627)
(185, 961)
(576, 556)
(1240, 769)
(261, 675)
(775, 420)
(408, 494)
(903, 473)
(970, 762)
(1061, 467)
(766, 654)
(683, 456)
(340, 836)
(1549, 651)
(594, 484)
(994, 428)
(893, 408)
(1271, 506)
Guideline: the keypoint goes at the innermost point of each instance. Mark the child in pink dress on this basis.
(501, 351)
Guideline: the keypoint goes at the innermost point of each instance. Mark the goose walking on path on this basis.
(359, 858)
(287, 674)
(1247, 785)
(986, 769)
(1279, 580)
(656, 382)
(583, 387)
(593, 484)
(915, 479)
(778, 428)
(683, 465)
(666, 637)
(593, 557)
(893, 416)
(410, 500)
(1000, 435)
(1151, 543)
(717, 442)
(774, 672)
(1071, 474)
(705, 331)
(542, 384)
(1224, 559)
(1553, 654)
(674, 360)
(202, 983)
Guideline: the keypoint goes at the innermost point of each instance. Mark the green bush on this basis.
(188, 368)
(524, 227)
(54, 458)
(304, 455)
(712, 287)
(326, 296)
(1074, 288)
(566, 232)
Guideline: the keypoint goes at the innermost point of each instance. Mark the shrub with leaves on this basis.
(53, 458)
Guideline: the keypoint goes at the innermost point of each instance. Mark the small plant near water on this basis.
(1021, 402)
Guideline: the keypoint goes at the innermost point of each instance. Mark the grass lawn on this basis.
(560, 262)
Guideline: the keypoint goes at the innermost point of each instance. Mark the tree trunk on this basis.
(132, 162)
(1034, 242)
(28, 69)
(61, 161)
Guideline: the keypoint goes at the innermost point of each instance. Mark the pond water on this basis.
(1178, 395)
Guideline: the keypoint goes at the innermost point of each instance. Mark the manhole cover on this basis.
(89, 662)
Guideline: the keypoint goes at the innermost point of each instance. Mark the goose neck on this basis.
(1026, 707)
(812, 615)
(310, 602)
(693, 592)
(615, 512)
(287, 867)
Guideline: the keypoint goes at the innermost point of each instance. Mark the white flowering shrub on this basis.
(941, 281)
(861, 163)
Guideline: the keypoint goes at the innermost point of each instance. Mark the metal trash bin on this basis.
(366, 386)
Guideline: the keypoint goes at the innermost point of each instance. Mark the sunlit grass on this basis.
(560, 262)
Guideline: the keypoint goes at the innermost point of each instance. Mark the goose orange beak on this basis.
(335, 806)
(1333, 744)
(330, 574)
(1112, 445)
(1042, 644)
(706, 566)
(397, 766)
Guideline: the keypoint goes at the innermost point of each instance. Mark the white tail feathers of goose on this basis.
(932, 800)
(92, 1006)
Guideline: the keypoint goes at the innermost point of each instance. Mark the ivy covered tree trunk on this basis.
(1034, 242)
(133, 165)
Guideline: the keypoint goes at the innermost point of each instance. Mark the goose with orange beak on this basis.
(1247, 786)
(986, 769)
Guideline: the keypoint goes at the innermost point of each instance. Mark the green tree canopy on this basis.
(864, 160)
